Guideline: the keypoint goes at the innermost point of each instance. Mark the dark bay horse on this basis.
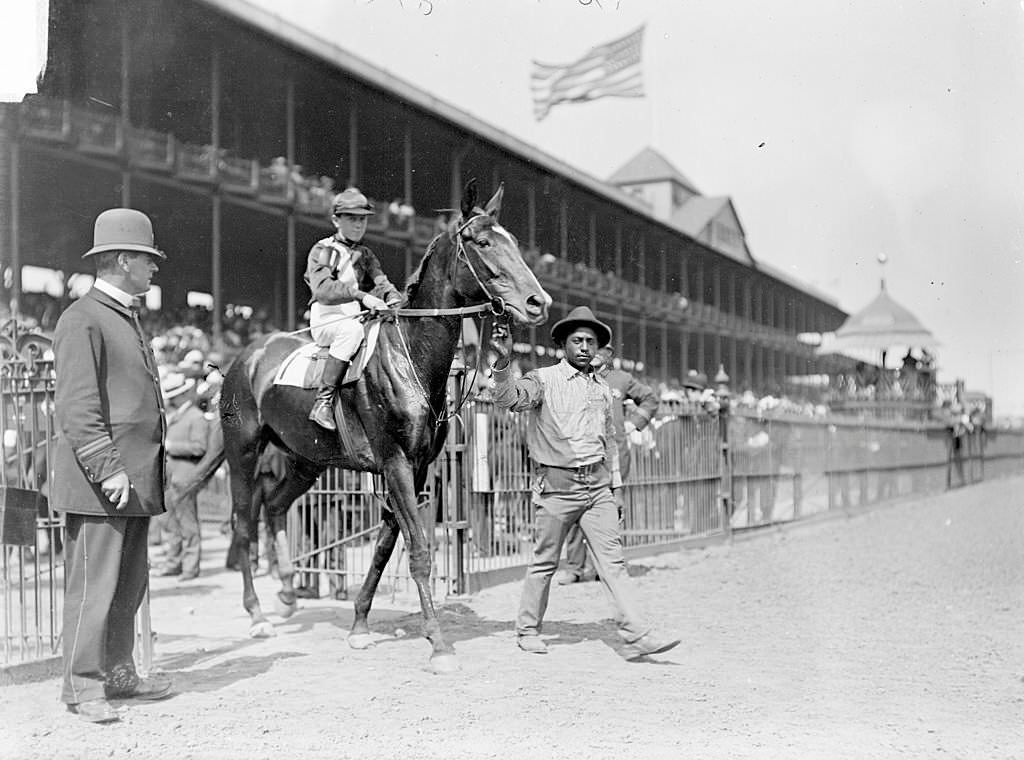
(393, 417)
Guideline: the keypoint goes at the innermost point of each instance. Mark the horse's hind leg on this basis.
(359, 636)
(241, 447)
(301, 475)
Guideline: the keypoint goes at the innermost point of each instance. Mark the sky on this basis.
(842, 131)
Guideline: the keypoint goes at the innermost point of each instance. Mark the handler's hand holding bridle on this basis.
(501, 342)
(117, 488)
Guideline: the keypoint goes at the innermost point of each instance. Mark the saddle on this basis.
(304, 366)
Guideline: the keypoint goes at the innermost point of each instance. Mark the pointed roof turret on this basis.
(650, 166)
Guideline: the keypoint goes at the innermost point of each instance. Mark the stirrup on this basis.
(322, 414)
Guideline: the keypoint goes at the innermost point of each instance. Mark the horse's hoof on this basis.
(263, 630)
(283, 608)
(360, 641)
(442, 664)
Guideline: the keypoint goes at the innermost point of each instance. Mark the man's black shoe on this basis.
(149, 689)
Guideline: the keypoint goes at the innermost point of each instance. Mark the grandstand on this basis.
(231, 127)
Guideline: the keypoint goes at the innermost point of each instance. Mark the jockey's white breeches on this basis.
(337, 326)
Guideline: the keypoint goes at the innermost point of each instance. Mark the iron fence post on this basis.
(725, 488)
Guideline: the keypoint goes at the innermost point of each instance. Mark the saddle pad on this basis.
(304, 366)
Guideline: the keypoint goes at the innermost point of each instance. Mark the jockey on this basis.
(343, 276)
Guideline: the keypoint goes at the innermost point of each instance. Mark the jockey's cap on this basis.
(351, 202)
(123, 229)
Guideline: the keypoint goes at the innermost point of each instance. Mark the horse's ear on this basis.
(469, 199)
(494, 204)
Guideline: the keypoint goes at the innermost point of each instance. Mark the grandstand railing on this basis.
(105, 134)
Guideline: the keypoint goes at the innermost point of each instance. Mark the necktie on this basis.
(147, 355)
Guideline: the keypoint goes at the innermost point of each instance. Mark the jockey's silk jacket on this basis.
(334, 264)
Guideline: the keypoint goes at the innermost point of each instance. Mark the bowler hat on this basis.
(123, 229)
(581, 316)
(351, 202)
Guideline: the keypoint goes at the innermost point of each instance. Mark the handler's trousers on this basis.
(577, 559)
(106, 573)
(565, 497)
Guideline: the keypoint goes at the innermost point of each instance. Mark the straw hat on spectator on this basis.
(174, 384)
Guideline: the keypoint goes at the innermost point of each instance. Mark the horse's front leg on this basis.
(359, 636)
(399, 473)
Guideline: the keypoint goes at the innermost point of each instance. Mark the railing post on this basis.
(725, 488)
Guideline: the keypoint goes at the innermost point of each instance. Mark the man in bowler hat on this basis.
(108, 467)
(571, 439)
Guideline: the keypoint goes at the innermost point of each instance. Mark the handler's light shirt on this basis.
(570, 414)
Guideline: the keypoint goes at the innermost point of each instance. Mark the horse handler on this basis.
(571, 438)
(108, 467)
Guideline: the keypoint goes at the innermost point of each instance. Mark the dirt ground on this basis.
(893, 633)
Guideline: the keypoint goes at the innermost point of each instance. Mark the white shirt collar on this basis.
(125, 299)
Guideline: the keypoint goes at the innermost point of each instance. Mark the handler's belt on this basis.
(582, 470)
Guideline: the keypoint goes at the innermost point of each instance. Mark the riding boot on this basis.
(322, 412)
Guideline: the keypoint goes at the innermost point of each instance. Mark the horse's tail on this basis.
(207, 466)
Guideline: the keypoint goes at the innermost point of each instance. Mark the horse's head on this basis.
(490, 266)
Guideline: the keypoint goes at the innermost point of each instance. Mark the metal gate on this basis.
(31, 571)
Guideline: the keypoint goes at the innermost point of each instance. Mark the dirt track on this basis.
(895, 633)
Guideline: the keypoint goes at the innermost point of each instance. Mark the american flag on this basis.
(609, 70)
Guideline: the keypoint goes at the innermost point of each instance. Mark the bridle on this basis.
(495, 306)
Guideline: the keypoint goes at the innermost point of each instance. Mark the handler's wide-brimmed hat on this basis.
(123, 229)
(581, 316)
(351, 202)
(174, 384)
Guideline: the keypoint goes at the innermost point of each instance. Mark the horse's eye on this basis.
(483, 243)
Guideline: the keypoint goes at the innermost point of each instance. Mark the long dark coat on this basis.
(109, 410)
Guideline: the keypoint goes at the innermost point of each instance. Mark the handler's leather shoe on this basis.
(149, 689)
(94, 711)
(647, 644)
(532, 644)
(566, 577)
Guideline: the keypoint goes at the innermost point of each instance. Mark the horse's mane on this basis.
(412, 284)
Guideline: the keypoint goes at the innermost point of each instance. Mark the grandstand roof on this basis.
(695, 214)
(323, 49)
(650, 166)
(319, 48)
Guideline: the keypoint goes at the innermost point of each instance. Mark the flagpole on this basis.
(649, 95)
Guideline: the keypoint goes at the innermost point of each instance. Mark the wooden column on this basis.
(353, 144)
(563, 227)
(215, 201)
(126, 178)
(592, 240)
(291, 253)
